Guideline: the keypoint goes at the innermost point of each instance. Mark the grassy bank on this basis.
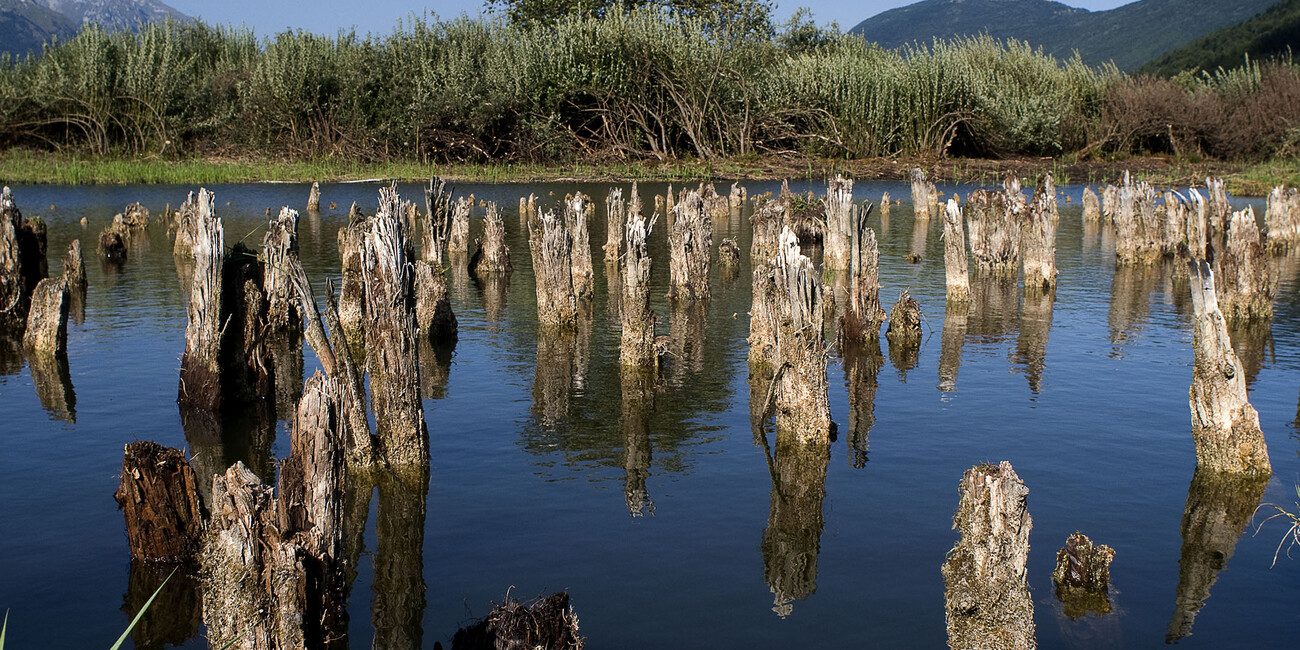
(42, 168)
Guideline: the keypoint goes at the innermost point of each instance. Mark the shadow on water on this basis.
(1219, 508)
(862, 364)
(1030, 356)
(905, 356)
(174, 615)
(1253, 344)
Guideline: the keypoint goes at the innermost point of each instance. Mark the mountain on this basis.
(26, 24)
(1272, 33)
(1129, 35)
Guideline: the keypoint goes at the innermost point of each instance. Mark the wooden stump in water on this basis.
(690, 244)
(183, 227)
(135, 216)
(248, 371)
(994, 222)
(884, 208)
(577, 213)
(313, 198)
(392, 354)
(905, 321)
(200, 381)
(458, 238)
(954, 254)
(159, 497)
(547, 623)
(493, 256)
(352, 296)
(615, 216)
(729, 253)
(863, 315)
(46, 332)
(841, 223)
(433, 315)
(552, 251)
(1225, 427)
(280, 241)
(1137, 222)
(1038, 237)
(988, 604)
(792, 291)
(1283, 218)
(1082, 576)
(74, 267)
(1091, 206)
(1197, 227)
(1244, 283)
(637, 347)
(1220, 210)
(925, 196)
(1109, 203)
(437, 206)
(21, 263)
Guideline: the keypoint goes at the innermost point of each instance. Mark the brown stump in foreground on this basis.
(547, 623)
(1225, 427)
(159, 498)
(47, 319)
(1082, 576)
(987, 598)
(954, 254)
(690, 244)
(313, 198)
(14, 294)
(637, 347)
(493, 256)
(200, 381)
(1038, 238)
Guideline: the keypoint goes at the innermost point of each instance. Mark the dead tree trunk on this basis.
(200, 383)
(313, 198)
(1137, 225)
(352, 308)
(1173, 229)
(987, 596)
(993, 219)
(1081, 579)
(637, 349)
(841, 223)
(1109, 203)
(493, 256)
(14, 296)
(1091, 206)
(1245, 283)
(458, 239)
(615, 214)
(925, 196)
(794, 299)
(393, 356)
(1283, 218)
(885, 207)
(159, 497)
(433, 315)
(1225, 427)
(736, 200)
(437, 206)
(1038, 235)
(768, 222)
(690, 244)
(247, 366)
(864, 314)
(577, 212)
(905, 321)
(280, 241)
(1220, 209)
(74, 267)
(551, 247)
(47, 320)
(1197, 226)
(184, 226)
(954, 254)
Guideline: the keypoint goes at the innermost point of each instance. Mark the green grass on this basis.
(1259, 180)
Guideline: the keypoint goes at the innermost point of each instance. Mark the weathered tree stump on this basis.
(987, 596)
(904, 321)
(577, 213)
(1038, 237)
(1173, 227)
(1220, 212)
(1245, 283)
(135, 216)
(1282, 218)
(493, 256)
(954, 254)
(159, 497)
(248, 371)
(615, 214)
(884, 209)
(863, 314)
(527, 210)
(841, 223)
(74, 267)
(993, 219)
(1198, 232)
(183, 227)
(1109, 203)
(352, 293)
(1225, 427)
(46, 332)
(637, 347)
(458, 237)
(21, 258)
(690, 244)
(433, 315)
(552, 251)
(437, 206)
(925, 196)
(281, 239)
(736, 200)
(729, 253)
(1091, 206)
(1137, 223)
(112, 246)
(392, 353)
(200, 381)
(547, 623)
(313, 198)
(1081, 579)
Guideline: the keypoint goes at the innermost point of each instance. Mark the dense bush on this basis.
(638, 84)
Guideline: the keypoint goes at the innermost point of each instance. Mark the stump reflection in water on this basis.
(218, 441)
(1030, 356)
(399, 559)
(952, 340)
(687, 322)
(174, 615)
(638, 386)
(792, 539)
(1218, 512)
(1130, 302)
(862, 363)
(53, 382)
(562, 356)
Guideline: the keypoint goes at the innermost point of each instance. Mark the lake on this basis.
(663, 528)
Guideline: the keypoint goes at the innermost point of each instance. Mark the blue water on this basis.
(1096, 423)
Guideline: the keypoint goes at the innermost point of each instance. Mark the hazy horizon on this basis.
(381, 16)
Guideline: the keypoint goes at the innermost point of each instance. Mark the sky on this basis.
(381, 16)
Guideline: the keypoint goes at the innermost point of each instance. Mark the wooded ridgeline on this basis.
(641, 85)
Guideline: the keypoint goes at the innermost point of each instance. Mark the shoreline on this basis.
(18, 166)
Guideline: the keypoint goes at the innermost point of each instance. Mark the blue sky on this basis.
(329, 16)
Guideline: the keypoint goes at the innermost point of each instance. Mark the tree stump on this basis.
(352, 292)
(1091, 206)
(200, 380)
(546, 623)
(1282, 218)
(313, 198)
(184, 226)
(993, 219)
(1038, 237)
(864, 315)
(74, 267)
(954, 254)
(248, 371)
(458, 238)
(159, 497)
(729, 253)
(1137, 223)
(925, 196)
(1081, 579)
(552, 251)
(637, 347)
(1198, 233)
(577, 212)
(884, 208)
(841, 223)
(280, 241)
(1220, 212)
(794, 298)
(905, 320)
(14, 296)
(1225, 427)
(46, 332)
(493, 256)
(987, 598)
(690, 244)
(437, 205)
(1245, 283)
(135, 216)
(615, 215)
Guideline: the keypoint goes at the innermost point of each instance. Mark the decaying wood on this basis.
(716, 207)
(458, 237)
(352, 309)
(987, 596)
(954, 254)
(1038, 237)
(527, 210)
(577, 214)
(1220, 210)
(729, 253)
(863, 313)
(551, 247)
(493, 256)
(1173, 225)
(1109, 203)
(46, 332)
(200, 381)
(392, 354)
(690, 244)
(280, 241)
(433, 315)
(135, 217)
(1283, 218)
(1081, 579)
(993, 219)
(768, 219)
(437, 206)
(15, 287)
(884, 209)
(74, 267)
(1225, 427)
(1198, 233)
(1244, 282)
(736, 199)
(1137, 222)
(248, 371)
(904, 321)
(840, 223)
(1091, 206)
(159, 498)
(637, 348)
(615, 214)
(313, 198)
(183, 227)
(925, 196)
(548, 623)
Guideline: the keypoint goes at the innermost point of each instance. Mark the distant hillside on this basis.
(26, 24)
(1272, 33)
(1129, 35)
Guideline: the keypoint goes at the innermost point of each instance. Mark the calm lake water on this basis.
(535, 489)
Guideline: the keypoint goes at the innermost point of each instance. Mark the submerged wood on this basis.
(954, 254)
(577, 214)
(1225, 427)
(200, 380)
(1038, 238)
(46, 332)
(863, 314)
(615, 215)
(904, 320)
(690, 244)
(1282, 218)
(458, 237)
(280, 241)
(987, 596)
(637, 347)
(392, 354)
(492, 256)
(313, 198)
(1091, 206)
(159, 499)
(925, 196)
(841, 223)
(552, 252)
(993, 219)
(546, 623)
(1245, 283)
(1081, 579)
(1137, 223)
(352, 308)
(795, 302)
